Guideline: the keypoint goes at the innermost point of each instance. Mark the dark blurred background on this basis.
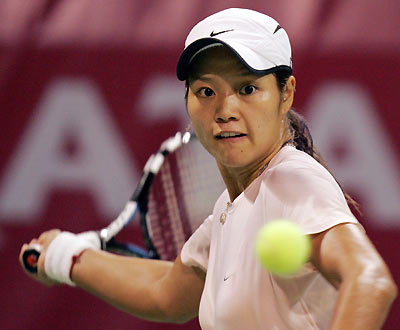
(88, 90)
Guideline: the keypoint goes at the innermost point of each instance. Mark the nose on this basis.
(227, 109)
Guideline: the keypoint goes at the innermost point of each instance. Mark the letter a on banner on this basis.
(69, 108)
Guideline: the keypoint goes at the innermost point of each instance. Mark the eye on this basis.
(248, 89)
(206, 92)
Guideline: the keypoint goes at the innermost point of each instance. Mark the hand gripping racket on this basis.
(177, 190)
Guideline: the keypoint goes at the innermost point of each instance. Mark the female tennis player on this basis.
(240, 90)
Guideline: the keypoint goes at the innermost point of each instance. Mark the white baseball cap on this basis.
(257, 39)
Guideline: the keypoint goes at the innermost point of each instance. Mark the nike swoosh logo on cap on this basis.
(212, 34)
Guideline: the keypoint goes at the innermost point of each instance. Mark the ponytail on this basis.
(302, 139)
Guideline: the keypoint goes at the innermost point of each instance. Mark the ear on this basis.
(288, 94)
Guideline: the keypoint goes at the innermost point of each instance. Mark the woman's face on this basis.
(238, 117)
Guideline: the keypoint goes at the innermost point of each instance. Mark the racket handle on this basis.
(30, 258)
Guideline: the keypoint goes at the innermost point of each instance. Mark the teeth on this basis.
(229, 134)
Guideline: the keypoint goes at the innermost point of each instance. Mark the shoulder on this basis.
(289, 159)
(195, 252)
(301, 189)
(294, 169)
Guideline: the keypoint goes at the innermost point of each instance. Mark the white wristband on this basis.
(58, 260)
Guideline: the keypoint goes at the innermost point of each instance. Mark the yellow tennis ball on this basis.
(281, 247)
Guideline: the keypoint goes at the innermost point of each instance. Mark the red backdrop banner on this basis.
(88, 91)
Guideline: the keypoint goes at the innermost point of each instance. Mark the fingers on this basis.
(34, 241)
(46, 237)
(41, 244)
(42, 278)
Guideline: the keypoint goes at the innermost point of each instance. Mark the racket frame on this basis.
(107, 234)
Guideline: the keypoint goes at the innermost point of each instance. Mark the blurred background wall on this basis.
(88, 90)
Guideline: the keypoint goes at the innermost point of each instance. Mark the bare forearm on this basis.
(364, 303)
(126, 283)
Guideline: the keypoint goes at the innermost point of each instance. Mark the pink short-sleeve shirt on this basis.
(238, 292)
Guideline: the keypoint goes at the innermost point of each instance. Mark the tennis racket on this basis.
(176, 192)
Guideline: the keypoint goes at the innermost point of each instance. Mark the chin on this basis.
(233, 162)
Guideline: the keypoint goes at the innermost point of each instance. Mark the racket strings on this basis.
(165, 223)
(181, 198)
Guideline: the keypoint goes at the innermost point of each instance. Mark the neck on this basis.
(237, 179)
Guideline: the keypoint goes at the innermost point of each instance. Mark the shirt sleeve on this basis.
(306, 193)
(196, 251)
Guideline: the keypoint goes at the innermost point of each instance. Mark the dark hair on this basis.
(302, 138)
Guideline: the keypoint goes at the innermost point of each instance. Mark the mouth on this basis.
(229, 135)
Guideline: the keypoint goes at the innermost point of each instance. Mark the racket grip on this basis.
(30, 258)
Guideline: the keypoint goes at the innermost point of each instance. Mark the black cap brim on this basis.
(183, 66)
